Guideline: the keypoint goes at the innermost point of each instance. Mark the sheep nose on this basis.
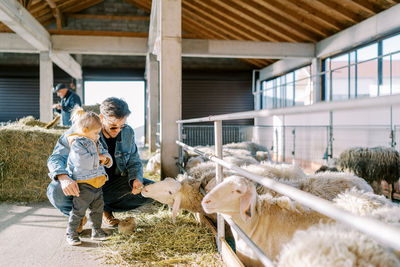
(144, 190)
(207, 201)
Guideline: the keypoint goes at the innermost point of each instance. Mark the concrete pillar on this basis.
(170, 83)
(79, 82)
(316, 80)
(153, 100)
(46, 87)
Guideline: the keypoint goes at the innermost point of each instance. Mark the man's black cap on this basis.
(59, 87)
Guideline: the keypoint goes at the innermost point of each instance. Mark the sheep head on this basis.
(234, 195)
(167, 192)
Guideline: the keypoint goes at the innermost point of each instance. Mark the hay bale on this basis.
(373, 164)
(158, 242)
(93, 108)
(24, 152)
(31, 121)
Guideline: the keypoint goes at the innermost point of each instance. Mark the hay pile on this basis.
(25, 147)
(93, 108)
(373, 164)
(158, 242)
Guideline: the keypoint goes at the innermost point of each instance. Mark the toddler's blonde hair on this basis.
(85, 121)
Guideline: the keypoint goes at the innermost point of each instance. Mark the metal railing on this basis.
(387, 234)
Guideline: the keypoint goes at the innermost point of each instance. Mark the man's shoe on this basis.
(73, 240)
(109, 219)
(80, 227)
(99, 235)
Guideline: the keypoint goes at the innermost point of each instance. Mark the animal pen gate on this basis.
(386, 234)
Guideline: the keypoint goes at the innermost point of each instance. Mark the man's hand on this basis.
(68, 186)
(57, 106)
(137, 187)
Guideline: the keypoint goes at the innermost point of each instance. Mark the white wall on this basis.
(364, 127)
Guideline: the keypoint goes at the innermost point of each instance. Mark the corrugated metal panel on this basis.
(204, 96)
(19, 97)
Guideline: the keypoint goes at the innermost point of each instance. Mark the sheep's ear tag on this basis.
(245, 206)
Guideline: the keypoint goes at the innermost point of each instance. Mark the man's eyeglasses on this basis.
(117, 127)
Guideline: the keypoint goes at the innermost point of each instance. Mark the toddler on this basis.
(85, 165)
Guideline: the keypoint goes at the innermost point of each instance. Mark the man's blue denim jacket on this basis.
(83, 161)
(126, 155)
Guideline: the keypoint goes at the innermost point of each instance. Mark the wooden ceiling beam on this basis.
(37, 7)
(206, 32)
(273, 31)
(25, 3)
(340, 9)
(275, 21)
(319, 15)
(289, 17)
(57, 14)
(145, 5)
(98, 33)
(194, 24)
(81, 6)
(108, 17)
(207, 26)
(369, 7)
(223, 23)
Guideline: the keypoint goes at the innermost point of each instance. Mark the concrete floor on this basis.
(34, 235)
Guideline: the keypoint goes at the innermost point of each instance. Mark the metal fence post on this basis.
(294, 146)
(218, 154)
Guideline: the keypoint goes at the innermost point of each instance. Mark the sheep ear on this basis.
(247, 204)
(175, 207)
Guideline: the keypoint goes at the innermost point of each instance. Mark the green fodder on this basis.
(23, 154)
(158, 242)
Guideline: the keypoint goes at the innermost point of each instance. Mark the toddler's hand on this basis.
(103, 159)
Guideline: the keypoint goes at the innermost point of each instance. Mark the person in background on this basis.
(69, 100)
(122, 191)
(85, 166)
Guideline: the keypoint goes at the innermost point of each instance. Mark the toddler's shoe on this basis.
(73, 240)
(99, 235)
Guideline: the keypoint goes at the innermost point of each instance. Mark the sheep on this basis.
(184, 194)
(154, 163)
(262, 155)
(334, 245)
(193, 162)
(340, 245)
(325, 168)
(250, 146)
(269, 221)
(328, 185)
(373, 164)
(325, 185)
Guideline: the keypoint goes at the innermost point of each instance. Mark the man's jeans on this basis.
(117, 196)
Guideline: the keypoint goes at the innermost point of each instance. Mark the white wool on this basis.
(334, 245)
(328, 185)
(154, 163)
(240, 160)
(360, 202)
(193, 162)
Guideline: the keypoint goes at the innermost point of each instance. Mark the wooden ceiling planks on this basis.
(289, 17)
(273, 32)
(256, 20)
